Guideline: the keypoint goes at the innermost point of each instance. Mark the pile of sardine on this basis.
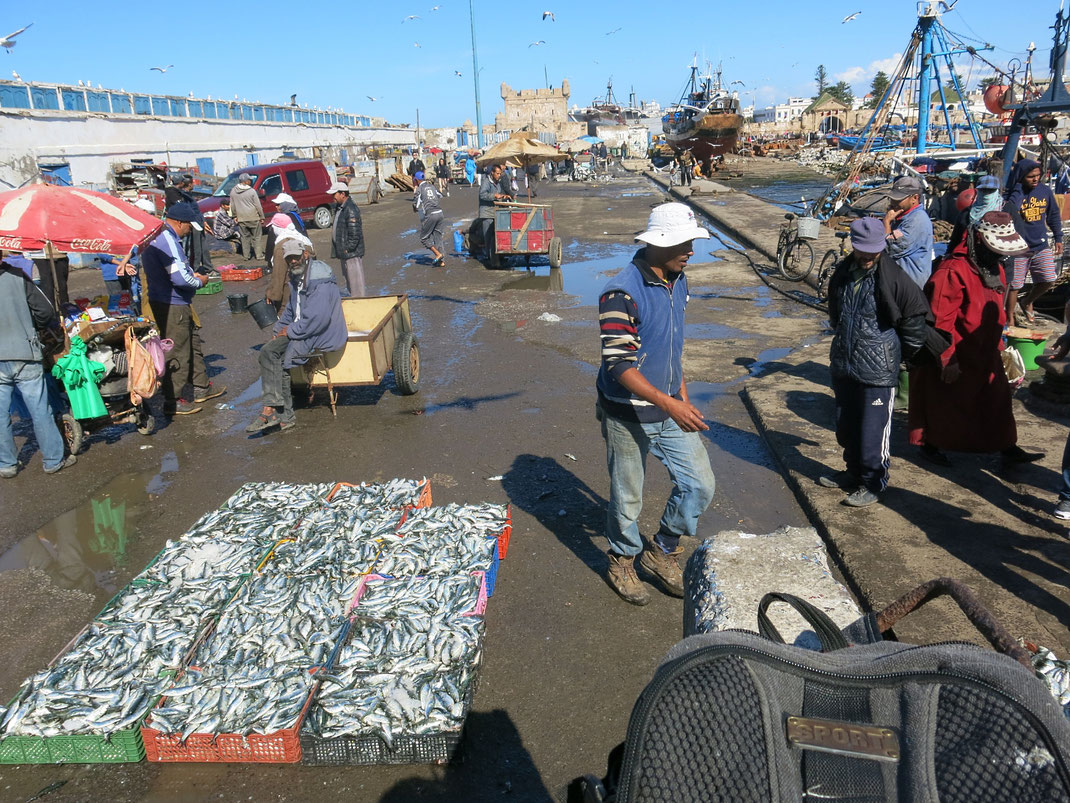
(482, 519)
(343, 541)
(396, 493)
(279, 622)
(405, 597)
(354, 703)
(275, 496)
(1055, 673)
(705, 609)
(436, 550)
(414, 645)
(113, 673)
(241, 699)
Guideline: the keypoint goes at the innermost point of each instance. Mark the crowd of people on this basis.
(891, 302)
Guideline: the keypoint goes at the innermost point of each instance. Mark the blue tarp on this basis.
(592, 140)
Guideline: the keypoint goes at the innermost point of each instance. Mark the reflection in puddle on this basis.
(713, 331)
(85, 548)
(550, 281)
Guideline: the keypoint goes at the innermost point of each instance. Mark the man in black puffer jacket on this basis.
(347, 239)
(878, 315)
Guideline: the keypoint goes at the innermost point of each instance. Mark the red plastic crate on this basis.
(240, 274)
(281, 747)
(506, 533)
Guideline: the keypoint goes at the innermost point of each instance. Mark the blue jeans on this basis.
(29, 377)
(684, 455)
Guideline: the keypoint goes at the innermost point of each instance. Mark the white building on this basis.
(77, 133)
(782, 112)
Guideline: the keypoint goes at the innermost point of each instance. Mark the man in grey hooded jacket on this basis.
(247, 210)
(312, 321)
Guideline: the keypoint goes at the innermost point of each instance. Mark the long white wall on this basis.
(92, 143)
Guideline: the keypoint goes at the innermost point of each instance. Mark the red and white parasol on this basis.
(72, 219)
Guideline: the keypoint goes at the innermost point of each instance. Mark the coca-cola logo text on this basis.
(87, 244)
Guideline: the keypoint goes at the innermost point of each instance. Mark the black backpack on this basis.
(740, 716)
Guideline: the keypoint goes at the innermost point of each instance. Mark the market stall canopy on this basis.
(592, 140)
(71, 220)
(519, 151)
(576, 146)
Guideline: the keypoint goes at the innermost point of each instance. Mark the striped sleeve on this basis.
(618, 320)
(180, 272)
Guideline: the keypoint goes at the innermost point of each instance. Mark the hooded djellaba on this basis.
(960, 400)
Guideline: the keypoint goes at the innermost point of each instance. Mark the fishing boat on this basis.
(706, 119)
(602, 111)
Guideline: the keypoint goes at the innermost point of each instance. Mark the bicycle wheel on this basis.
(796, 260)
(824, 273)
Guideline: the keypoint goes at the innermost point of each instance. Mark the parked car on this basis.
(305, 181)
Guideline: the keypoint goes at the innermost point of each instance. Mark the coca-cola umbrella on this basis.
(50, 218)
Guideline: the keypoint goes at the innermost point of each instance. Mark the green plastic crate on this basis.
(211, 288)
(122, 747)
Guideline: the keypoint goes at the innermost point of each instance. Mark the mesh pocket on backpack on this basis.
(692, 752)
(985, 750)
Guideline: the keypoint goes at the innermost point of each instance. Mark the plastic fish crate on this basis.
(240, 274)
(506, 533)
(211, 288)
(479, 609)
(280, 747)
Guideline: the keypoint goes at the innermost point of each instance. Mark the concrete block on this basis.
(727, 576)
(701, 186)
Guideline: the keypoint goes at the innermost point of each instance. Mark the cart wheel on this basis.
(72, 433)
(494, 259)
(555, 252)
(407, 363)
(146, 421)
(467, 243)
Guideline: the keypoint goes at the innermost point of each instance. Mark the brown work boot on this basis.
(623, 579)
(665, 568)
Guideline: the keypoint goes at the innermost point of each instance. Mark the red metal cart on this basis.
(524, 229)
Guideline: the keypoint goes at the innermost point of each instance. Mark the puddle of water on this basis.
(788, 194)
(85, 548)
(531, 410)
(636, 195)
(408, 232)
(251, 393)
(550, 280)
(713, 331)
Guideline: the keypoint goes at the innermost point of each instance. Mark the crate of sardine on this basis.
(397, 493)
(341, 542)
(490, 520)
(362, 718)
(88, 704)
(381, 597)
(240, 714)
(274, 496)
(439, 549)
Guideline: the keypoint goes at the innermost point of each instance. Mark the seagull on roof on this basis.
(81, 83)
(549, 14)
(162, 69)
(536, 44)
(293, 99)
(610, 33)
(849, 17)
(16, 76)
(410, 18)
(9, 40)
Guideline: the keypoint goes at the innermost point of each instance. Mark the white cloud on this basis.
(861, 77)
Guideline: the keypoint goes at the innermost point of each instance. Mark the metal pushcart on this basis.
(524, 229)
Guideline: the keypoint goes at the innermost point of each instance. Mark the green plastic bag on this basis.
(80, 376)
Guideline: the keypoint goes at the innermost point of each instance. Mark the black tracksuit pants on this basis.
(864, 429)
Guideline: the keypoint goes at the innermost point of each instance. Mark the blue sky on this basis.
(338, 53)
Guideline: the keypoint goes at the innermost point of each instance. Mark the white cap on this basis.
(283, 198)
(671, 224)
(338, 186)
(197, 226)
(145, 205)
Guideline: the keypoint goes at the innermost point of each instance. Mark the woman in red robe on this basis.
(962, 401)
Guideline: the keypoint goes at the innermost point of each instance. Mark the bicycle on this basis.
(794, 255)
(829, 262)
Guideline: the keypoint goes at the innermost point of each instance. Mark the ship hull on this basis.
(713, 135)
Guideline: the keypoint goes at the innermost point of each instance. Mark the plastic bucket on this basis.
(263, 312)
(458, 242)
(1029, 349)
(809, 228)
(239, 302)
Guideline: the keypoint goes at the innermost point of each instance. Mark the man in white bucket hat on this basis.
(644, 407)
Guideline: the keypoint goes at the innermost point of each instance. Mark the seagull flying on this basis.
(415, 44)
(738, 82)
(436, 8)
(9, 40)
(410, 18)
(849, 17)
(610, 33)
(457, 73)
(549, 14)
(165, 69)
(536, 44)
(369, 97)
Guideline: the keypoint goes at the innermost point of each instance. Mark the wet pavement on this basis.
(506, 403)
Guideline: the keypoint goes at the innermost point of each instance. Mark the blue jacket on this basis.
(170, 278)
(1034, 213)
(313, 316)
(642, 325)
(913, 252)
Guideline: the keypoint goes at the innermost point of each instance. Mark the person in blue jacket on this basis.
(909, 230)
(1035, 211)
(312, 321)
